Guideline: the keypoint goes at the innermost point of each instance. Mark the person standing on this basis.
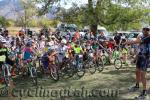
(142, 61)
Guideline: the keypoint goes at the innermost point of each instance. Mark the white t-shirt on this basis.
(42, 44)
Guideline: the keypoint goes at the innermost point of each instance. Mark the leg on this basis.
(138, 76)
(143, 79)
(143, 70)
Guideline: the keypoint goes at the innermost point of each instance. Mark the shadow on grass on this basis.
(118, 72)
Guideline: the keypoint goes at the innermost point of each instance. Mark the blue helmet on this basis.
(29, 43)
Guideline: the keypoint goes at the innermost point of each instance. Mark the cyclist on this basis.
(77, 35)
(51, 57)
(117, 39)
(4, 55)
(77, 50)
(28, 51)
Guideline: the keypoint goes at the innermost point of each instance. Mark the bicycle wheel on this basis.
(54, 73)
(68, 71)
(57, 62)
(117, 63)
(100, 64)
(7, 77)
(104, 59)
(34, 75)
(80, 71)
(92, 67)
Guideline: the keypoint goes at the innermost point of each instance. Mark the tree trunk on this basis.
(93, 19)
(93, 28)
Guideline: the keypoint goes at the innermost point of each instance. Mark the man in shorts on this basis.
(142, 62)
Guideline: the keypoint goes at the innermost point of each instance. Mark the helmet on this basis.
(29, 43)
(64, 41)
(2, 40)
(50, 51)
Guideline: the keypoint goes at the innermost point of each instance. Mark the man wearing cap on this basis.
(143, 61)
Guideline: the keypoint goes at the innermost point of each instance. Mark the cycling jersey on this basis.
(27, 53)
(143, 61)
(124, 51)
(144, 46)
(77, 50)
(3, 55)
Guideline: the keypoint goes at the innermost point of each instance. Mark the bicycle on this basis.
(118, 58)
(51, 69)
(31, 70)
(5, 74)
(89, 62)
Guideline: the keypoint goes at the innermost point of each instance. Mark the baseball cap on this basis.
(147, 28)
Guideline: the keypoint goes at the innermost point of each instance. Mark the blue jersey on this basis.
(27, 54)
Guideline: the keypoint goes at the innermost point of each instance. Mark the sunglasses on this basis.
(146, 29)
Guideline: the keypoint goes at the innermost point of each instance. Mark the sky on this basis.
(68, 3)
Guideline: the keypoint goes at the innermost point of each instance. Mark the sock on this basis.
(137, 85)
(144, 92)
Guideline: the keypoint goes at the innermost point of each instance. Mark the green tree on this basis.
(113, 14)
(29, 13)
(4, 22)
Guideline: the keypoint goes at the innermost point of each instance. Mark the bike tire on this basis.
(34, 73)
(104, 58)
(100, 64)
(80, 72)
(7, 78)
(68, 71)
(54, 73)
(92, 68)
(117, 63)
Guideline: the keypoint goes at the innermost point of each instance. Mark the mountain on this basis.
(8, 9)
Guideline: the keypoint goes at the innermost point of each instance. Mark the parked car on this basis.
(133, 35)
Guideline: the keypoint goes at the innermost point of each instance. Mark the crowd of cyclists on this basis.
(57, 54)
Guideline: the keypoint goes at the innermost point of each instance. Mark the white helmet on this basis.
(63, 41)
(2, 39)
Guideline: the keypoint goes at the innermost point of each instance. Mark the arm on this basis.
(138, 40)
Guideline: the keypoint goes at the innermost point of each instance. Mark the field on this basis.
(109, 79)
(14, 30)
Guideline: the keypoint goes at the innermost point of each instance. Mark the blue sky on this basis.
(68, 3)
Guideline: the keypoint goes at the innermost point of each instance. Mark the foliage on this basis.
(6, 23)
(121, 15)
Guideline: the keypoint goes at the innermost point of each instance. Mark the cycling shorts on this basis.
(142, 63)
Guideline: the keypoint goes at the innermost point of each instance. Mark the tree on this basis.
(114, 14)
(27, 14)
(3, 22)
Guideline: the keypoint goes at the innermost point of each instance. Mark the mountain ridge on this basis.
(8, 9)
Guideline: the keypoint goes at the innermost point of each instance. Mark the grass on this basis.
(108, 79)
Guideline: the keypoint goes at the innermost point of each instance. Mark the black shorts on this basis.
(142, 63)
